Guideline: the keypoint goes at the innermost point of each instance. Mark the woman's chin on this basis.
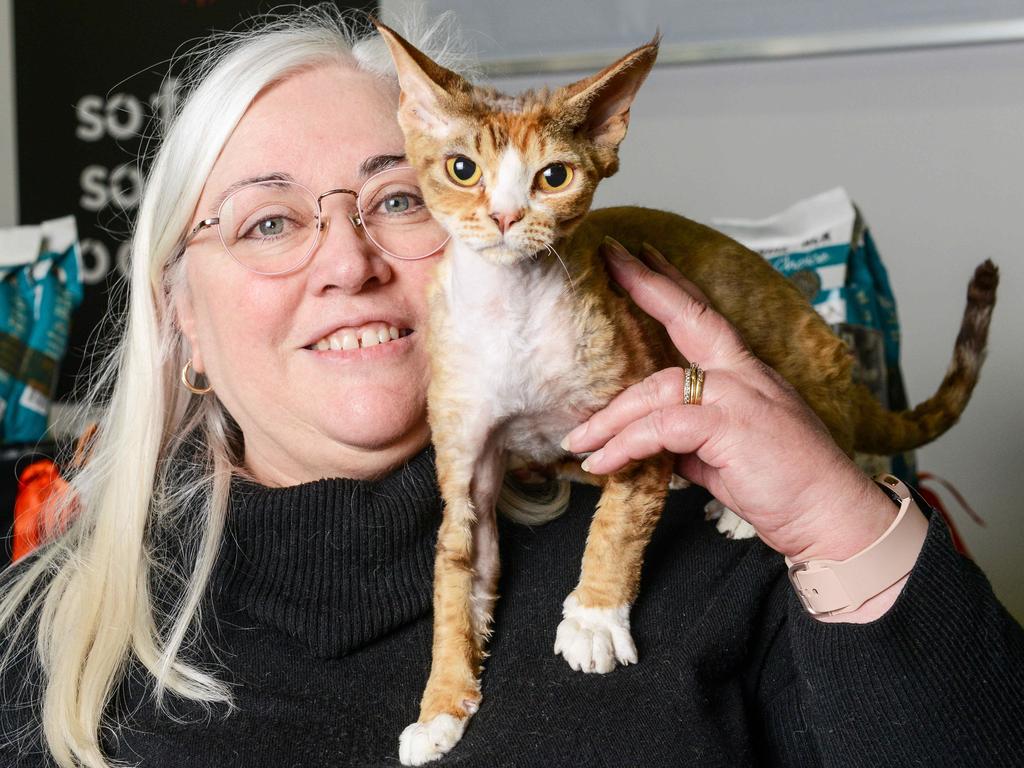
(377, 426)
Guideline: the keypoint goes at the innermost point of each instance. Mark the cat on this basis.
(528, 338)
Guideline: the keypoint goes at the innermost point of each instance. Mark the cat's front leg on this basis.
(594, 633)
(465, 583)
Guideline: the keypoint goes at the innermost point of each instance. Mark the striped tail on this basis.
(884, 432)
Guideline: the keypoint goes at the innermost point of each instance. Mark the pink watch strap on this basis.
(834, 587)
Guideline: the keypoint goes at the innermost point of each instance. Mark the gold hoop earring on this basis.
(189, 385)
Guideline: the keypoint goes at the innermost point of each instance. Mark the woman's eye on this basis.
(397, 204)
(555, 177)
(270, 227)
(265, 227)
(462, 170)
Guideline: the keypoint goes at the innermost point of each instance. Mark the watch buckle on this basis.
(796, 569)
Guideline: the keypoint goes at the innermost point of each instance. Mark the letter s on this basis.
(94, 187)
(90, 119)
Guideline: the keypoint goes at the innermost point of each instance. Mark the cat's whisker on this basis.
(572, 285)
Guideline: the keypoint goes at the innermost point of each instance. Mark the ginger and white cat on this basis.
(528, 339)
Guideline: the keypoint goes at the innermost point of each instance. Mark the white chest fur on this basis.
(513, 343)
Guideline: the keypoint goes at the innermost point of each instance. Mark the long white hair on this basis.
(86, 593)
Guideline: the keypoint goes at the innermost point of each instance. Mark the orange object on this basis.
(39, 487)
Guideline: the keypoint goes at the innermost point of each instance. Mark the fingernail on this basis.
(648, 251)
(590, 460)
(573, 436)
(616, 250)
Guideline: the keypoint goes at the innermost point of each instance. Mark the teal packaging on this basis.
(19, 247)
(52, 288)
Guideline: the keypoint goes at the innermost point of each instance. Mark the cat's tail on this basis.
(884, 432)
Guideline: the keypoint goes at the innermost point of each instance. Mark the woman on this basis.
(245, 575)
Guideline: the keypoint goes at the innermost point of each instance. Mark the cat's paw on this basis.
(713, 510)
(677, 483)
(422, 742)
(594, 639)
(729, 524)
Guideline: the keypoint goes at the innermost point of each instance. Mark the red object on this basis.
(40, 491)
(932, 497)
(40, 486)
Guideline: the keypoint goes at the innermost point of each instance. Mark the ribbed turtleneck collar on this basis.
(333, 563)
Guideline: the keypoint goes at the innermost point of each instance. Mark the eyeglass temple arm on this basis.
(201, 226)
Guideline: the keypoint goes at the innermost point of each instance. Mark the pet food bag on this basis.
(41, 288)
(824, 246)
(19, 247)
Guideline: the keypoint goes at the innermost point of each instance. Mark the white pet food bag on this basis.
(823, 245)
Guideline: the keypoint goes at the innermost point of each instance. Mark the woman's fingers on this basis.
(678, 429)
(657, 262)
(659, 390)
(696, 329)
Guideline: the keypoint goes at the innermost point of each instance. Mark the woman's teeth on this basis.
(364, 336)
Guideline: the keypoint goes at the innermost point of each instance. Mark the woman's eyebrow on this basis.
(369, 166)
(234, 187)
(377, 163)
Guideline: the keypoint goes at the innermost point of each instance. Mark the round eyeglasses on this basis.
(273, 227)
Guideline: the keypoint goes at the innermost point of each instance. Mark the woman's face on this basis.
(308, 413)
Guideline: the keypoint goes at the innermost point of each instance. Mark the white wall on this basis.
(929, 144)
(8, 167)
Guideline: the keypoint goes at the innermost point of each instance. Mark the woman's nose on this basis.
(345, 260)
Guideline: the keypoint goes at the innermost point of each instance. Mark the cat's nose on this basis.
(505, 219)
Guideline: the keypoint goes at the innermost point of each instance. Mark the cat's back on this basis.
(740, 283)
(698, 250)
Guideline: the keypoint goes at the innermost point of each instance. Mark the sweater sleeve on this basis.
(937, 681)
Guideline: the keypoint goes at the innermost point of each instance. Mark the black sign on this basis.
(89, 81)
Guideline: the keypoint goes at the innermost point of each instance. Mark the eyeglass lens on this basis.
(271, 226)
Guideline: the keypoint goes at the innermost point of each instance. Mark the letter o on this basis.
(129, 126)
(95, 261)
(125, 196)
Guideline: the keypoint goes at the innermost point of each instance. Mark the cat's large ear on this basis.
(599, 105)
(430, 93)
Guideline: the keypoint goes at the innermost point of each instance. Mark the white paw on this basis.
(732, 526)
(422, 742)
(676, 482)
(713, 509)
(593, 639)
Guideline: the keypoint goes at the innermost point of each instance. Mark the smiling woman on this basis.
(337, 411)
(319, 371)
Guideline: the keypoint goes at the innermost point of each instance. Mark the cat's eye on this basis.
(554, 177)
(462, 170)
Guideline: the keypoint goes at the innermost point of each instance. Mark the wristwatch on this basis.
(830, 587)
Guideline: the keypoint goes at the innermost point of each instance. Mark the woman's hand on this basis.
(753, 442)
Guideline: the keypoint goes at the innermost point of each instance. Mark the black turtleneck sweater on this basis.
(320, 619)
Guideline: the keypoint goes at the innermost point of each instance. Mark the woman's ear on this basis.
(185, 317)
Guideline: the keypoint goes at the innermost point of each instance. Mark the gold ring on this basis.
(693, 385)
